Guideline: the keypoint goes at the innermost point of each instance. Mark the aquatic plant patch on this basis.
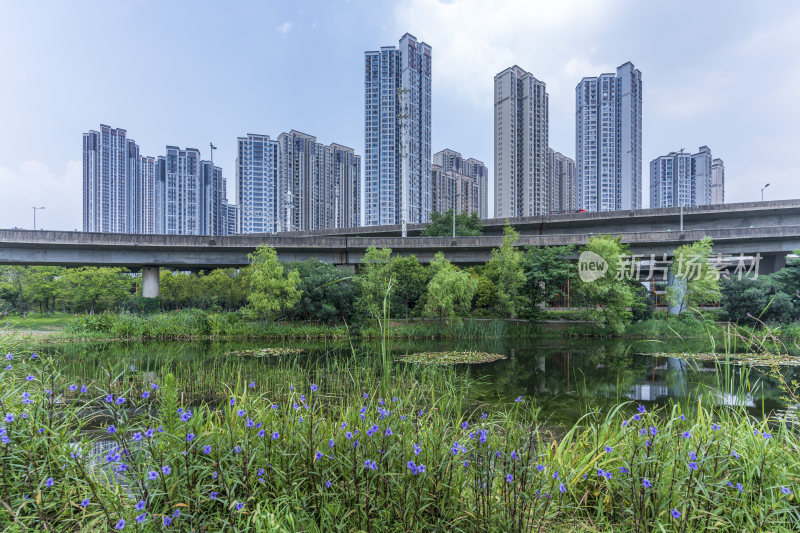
(266, 352)
(753, 359)
(450, 358)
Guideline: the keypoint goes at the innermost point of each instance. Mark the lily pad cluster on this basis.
(451, 358)
(266, 352)
(754, 359)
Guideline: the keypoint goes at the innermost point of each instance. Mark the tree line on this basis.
(515, 283)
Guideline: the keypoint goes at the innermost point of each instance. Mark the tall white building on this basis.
(392, 76)
(717, 181)
(477, 169)
(118, 183)
(563, 192)
(257, 177)
(521, 132)
(190, 194)
(680, 178)
(608, 140)
(319, 186)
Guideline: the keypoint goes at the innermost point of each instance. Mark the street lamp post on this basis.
(762, 191)
(34, 216)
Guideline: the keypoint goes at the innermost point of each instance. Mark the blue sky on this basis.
(722, 74)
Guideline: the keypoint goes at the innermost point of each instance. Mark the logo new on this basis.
(591, 266)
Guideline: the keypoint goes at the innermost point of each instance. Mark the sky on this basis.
(719, 73)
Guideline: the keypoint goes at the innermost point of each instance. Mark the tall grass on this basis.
(333, 446)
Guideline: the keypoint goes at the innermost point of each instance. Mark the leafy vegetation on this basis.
(441, 225)
(451, 358)
(324, 449)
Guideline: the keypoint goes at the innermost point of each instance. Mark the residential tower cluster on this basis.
(292, 182)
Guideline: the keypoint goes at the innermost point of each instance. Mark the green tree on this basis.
(506, 271)
(450, 291)
(374, 276)
(441, 225)
(269, 289)
(547, 269)
(412, 280)
(329, 294)
(692, 269)
(92, 285)
(787, 279)
(611, 296)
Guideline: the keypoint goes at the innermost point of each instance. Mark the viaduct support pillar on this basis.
(677, 294)
(151, 282)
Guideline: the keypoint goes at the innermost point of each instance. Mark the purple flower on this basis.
(73, 388)
(141, 518)
(785, 490)
(239, 506)
(421, 468)
(233, 402)
(637, 417)
(609, 449)
(388, 432)
(155, 387)
(214, 475)
(189, 437)
(693, 456)
(85, 502)
(166, 470)
(213, 495)
(736, 455)
(237, 449)
(715, 427)
(252, 385)
(148, 433)
(641, 409)
(540, 468)
(139, 506)
(555, 474)
(318, 455)
(686, 435)
(646, 483)
(9, 356)
(109, 398)
(562, 488)
(29, 378)
(249, 423)
(509, 478)
(682, 417)
(623, 470)
(417, 449)
(653, 431)
(240, 412)
(464, 425)
(739, 487)
(261, 433)
(146, 394)
(675, 514)
(276, 435)
(207, 449)
(111, 429)
(314, 387)
(152, 475)
(349, 435)
(49, 482)
(519, 399)
(328, 484)
(624, 423)
(330, 443)
(514, 455)
(693, 465)
(120, 400)
(167, 521)
(120, 525)
(766, 436)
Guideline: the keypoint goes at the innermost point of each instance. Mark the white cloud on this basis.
(32, 183)
(474, 39)
(284, 28)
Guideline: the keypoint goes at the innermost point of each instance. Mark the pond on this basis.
(564, 376)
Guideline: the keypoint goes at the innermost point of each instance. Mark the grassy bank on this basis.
(353, 446)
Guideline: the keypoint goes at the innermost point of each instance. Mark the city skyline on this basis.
(44, 111)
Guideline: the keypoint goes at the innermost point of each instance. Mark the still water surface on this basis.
(564, 376)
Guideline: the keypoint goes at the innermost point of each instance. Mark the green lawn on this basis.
(38, 322)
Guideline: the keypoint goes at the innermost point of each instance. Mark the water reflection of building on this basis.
(648, 392)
